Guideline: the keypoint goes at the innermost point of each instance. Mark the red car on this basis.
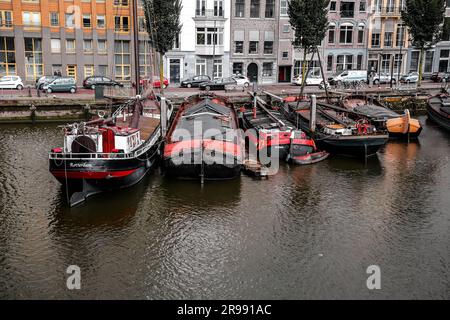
(156, 82)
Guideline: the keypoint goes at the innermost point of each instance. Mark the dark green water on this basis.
(308, 232)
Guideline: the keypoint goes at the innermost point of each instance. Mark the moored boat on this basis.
(398, 126)
(204, 141)
(438, 110)
(270, 133)
(108, 153)
(334, 131)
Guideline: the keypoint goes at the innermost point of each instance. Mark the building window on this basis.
(200, 67)
(270, 8)
(285, 55)
(398, 62)
(6, 19)
(71, 71)
(87, 46)
(121, 3)
(218, 8)
(102, 47)
(103, 70)
(101, 22)
(54, 19)
(70, 20)
(332, 6)
(238, 68)
(177, 42)
(385, 63)
(31, 19)
(7, 56)
(201, 8)
(121, 24)
(70, 46)
(413, 66)
(377, 6)
(443, 60)
(331, 33)
(55, 45)
(360, 34)
(209, 36)
(330, 62)
(239, 47)
(254, 8)
(344, 62)
(267, 69)
(346, 34)
(359, 62)
(400, 36)
(87, 21)
(286, 28)
(239, 8)
(375, 40)
(268, 47)
(141, 24)
(428, 61)
(145, 54)
(88, 71)
(122, 60)
(283, 7)
(347, 9)
(253, 47)
(34, 66)
(56, 69)
(217, 68)
(362, 6)
(388, 39)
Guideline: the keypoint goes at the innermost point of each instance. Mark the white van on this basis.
(349, 76)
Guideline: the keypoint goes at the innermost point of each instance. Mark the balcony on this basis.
(210, 14)
(209, 50)
(389, 11)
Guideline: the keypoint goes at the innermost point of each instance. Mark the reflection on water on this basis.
(308, 232)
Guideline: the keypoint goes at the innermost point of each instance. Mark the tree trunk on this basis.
(323, 75)
(161, 73)
(419, 81)
(304, 73)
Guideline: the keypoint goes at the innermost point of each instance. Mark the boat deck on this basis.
(264, 121)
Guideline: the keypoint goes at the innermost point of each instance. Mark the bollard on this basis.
(86, 110)
(29, 91)
(33, 113)
(312, 122)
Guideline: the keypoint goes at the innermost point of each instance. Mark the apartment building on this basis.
(388, 39)
(78, 38)
(203, 46)
(255, 39)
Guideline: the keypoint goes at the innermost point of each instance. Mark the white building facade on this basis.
(203, 47)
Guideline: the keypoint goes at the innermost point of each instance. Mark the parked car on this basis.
(384, 77)
(349, 76)
(440, 77)
(92, 82)
(40, 82)
(155, 82)
(218, 84)
(194, 81)
(411, 77)
(62, 84)
(311, 80)
(11, 82)
(242, 80)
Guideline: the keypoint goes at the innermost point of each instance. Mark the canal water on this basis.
(308, 232)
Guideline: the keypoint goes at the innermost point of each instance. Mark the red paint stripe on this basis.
(91, 174)
(190, 145)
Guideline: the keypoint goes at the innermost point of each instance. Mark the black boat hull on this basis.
(355, 147)
(189, 171)
(83, 178)
(438, 119)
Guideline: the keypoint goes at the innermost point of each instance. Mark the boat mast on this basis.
(136, 46)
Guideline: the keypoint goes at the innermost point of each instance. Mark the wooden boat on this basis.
(108, 153)
(271, 133)
(438, 109)
(203, 141)
(335, 132)
(398, 126)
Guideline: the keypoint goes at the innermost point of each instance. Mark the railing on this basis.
(388, 10)
(210, 13)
